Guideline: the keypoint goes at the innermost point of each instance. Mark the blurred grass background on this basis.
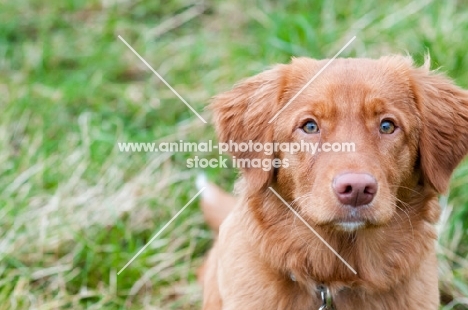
(74, 210)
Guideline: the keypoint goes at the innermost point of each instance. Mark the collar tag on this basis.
(326, 297)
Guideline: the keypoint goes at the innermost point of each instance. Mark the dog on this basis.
(334, 230)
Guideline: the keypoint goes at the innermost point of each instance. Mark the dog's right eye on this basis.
(310, 127)
(387, 127)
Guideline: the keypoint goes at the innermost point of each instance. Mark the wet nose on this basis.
(355, 189)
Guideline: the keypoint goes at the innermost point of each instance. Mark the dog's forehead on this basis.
(350, 86)
(357, 71)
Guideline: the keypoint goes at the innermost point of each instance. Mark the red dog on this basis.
(375, 206)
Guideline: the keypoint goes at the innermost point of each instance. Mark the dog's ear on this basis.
(444, 134)
(242, 115)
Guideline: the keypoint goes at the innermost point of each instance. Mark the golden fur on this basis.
(262, 245)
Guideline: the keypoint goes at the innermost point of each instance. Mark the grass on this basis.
(74, 210)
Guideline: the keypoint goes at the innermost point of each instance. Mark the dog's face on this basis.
(361, 104)
(403, 126)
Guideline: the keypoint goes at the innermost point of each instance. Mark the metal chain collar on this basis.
(326, 297)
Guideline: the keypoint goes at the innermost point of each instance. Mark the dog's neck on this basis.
(323, 293)
(374, 253)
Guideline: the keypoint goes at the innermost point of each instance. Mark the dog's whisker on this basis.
(296, 200)
(404, 204)
(407, 188)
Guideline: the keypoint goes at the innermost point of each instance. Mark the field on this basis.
(74, 209)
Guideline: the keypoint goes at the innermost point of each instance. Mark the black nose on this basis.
(355, 189)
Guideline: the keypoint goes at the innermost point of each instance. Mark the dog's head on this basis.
(382, 130)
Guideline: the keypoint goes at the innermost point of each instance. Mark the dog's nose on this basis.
(355, 189)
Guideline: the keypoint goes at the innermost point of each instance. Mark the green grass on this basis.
(73, 210)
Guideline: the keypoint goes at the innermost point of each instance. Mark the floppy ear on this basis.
(242, 114)
(444, 134)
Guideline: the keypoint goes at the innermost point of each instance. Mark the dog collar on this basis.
(324, 295)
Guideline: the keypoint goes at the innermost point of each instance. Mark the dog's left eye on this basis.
(387, 127)
(310, 127)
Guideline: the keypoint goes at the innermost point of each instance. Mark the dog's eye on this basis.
(310, 127)
(387, 127)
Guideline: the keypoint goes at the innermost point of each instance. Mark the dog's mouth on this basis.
(350, 223)
(350, 226)
(353, 220)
